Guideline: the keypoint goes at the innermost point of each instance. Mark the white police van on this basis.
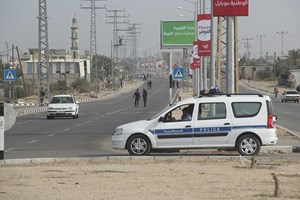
(237, 121)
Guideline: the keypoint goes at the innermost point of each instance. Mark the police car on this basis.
(237, 121)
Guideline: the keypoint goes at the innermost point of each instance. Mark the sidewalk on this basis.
(266, 87)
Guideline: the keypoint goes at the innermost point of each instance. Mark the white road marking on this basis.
(78, 124)
(10, 149)
(51, 135)
(67, 129)
(96, 118)
(88, 121)
(115, 112)
(33, 141)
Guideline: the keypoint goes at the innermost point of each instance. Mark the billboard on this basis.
(195, 59)
(204, 31)
(230, 7)
(177, 34)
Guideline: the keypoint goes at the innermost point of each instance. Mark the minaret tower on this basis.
(74, 38)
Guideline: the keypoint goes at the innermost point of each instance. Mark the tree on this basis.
(294, 56)
(81, 85)
(103, 67)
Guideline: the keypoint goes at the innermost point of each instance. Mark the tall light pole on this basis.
(212, 49)
(260, 41)
(196, 80)
(282, 41)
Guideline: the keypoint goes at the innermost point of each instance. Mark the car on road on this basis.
(243, 122)
(64, 105)
(290, 95)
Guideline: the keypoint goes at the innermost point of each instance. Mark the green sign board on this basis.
(177, 34)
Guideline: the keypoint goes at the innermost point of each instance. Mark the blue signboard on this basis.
(10, 75)
(178, 73)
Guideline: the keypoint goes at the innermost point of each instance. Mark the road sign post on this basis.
(10, 75)
(1, 130)
(178, 73)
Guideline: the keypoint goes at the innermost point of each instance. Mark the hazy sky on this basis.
(19, 23)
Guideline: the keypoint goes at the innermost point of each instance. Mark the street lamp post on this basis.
(196, 80)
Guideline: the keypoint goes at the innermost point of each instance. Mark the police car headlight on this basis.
(118, 131)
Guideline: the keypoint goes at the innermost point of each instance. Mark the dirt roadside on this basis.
(184, 178)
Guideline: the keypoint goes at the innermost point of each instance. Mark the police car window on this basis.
(211, 111)
(245, 109)
(180, 113)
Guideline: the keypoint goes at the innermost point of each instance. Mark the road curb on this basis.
(276, 149)
(28, 161)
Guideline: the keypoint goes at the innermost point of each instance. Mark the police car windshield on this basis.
(159, 114)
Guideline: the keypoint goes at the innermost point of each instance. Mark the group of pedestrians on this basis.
(136, 96)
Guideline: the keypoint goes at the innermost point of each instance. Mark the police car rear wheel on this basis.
(138, 145)
(248, 145)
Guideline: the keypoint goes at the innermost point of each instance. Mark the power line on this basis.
(43, 57)
(260, 41)
(282, 41)
(93, 31)
(115, 23)
(247, 46)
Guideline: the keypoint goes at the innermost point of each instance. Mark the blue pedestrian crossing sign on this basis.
(178, 73)
(10, 75)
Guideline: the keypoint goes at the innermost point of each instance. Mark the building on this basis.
(63, 65)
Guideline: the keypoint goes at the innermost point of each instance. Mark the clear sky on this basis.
(19, 23)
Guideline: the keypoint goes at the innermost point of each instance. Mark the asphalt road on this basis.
(287, 113)
(33, 136)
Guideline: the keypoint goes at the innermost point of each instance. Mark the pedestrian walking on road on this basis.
(276, 91)
(136, 97)
(145, 95)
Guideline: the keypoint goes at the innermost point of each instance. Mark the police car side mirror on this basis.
(161, 119)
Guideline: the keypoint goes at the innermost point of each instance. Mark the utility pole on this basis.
(212, 49)
(247, 46)
(12, 97)
(43, 62)
(282, 41)
(93, 36)
(135, 29)
(115, 23)
(204, 58)
(260, 41)
(21, 70)
(32, 54)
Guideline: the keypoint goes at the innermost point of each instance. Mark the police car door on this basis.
(213, 124)
(173, 130)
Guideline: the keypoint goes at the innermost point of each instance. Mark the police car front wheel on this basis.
(248, 145)
(138, 145)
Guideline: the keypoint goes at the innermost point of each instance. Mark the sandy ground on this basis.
(185, 178)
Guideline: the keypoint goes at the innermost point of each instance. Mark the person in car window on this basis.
(186, 116)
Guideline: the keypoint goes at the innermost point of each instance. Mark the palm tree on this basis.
(294, 56)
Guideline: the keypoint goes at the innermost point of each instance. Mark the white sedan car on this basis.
(63, 106)
(290, 95)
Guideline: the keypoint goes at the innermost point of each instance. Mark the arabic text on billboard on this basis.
(177, 34)
(230, 7)
(204, 31)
